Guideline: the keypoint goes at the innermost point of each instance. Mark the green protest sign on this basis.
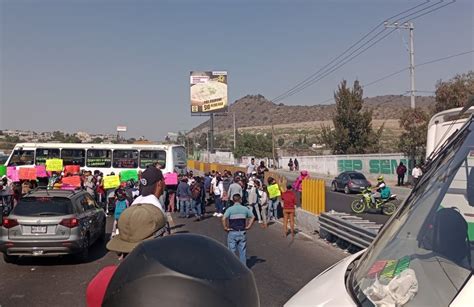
(3, 170)
(128, 175)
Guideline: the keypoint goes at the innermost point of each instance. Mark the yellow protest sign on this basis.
(273, 191)
(54, 165)
(111, 182)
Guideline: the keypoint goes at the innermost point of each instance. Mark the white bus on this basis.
(424, 255)
(106, 158)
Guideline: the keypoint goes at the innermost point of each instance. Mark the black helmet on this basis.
(157, 273)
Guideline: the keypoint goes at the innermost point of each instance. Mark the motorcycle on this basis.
(364, 203)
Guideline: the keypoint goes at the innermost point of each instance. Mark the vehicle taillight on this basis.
(9, 223)
(70, 223)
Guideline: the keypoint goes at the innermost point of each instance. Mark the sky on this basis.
(83, 65)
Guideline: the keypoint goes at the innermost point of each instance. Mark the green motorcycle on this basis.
(364, 203)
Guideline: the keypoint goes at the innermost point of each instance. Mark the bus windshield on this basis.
(424, 255)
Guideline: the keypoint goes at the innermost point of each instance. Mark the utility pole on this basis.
(273, 141)
(235, 132)
(211, 133)
(408, 26)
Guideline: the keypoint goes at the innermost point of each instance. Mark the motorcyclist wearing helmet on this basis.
(382, 191)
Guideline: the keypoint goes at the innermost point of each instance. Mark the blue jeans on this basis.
(197, 207)
(184, 207)
(218, 201)
(236, 240)
(272, 208)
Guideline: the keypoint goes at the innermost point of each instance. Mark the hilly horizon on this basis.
(256, 110)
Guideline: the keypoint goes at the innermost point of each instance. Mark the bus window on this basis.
(22, 157)
(43, 154)
(125, 158)
(99, 158)
(150, 157)
(73, 156)
(179, 158)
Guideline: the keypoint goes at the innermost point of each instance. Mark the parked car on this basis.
(350, 182)
(52, 223)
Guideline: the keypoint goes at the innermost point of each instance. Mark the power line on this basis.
(349, 48)
(406, 68)
(331, 70)
(315, 78)
(445, 58)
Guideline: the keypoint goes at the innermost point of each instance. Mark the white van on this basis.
(424, 255)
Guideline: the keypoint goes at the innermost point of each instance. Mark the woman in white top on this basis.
(218, 191)
(263, 199)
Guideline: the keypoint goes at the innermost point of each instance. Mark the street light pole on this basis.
(408, 26)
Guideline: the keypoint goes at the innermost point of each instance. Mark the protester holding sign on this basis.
(274, 198)
(128, 175)
(54, 165)
(111, 182)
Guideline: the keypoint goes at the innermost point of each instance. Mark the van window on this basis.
(43, 154)
(99, 158)
(73, 156)
(125, 158)
(22, 157)
(150, 157)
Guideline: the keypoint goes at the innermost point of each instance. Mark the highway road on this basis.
(281, 267)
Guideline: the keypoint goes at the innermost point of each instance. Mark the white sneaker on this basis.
(220, 215)
(215, 214)
(260, 222)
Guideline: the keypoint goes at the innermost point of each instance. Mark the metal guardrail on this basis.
(352, 229)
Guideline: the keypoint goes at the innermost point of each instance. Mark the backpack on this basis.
(385, 193)
(120, 207)
(196, 191)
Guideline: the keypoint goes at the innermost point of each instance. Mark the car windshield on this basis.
(43, 206)
(424, 255)
(357, 176)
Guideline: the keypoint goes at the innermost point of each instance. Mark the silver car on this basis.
(52, 223)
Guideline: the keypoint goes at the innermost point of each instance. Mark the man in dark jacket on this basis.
(184, 198)
(401, 170)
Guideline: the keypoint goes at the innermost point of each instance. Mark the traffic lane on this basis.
(282, 266)
(54, 281)
(341, 202)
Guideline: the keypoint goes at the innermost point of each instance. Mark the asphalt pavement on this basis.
(281, 267)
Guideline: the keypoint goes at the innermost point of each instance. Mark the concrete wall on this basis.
(371, 165)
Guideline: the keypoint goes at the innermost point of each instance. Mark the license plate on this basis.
(37, 252)
(38, 229)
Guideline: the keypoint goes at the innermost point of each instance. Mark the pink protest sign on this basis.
(12, 173)
(171, 179)
(41, 171)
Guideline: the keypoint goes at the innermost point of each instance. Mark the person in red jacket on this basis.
(289, 207)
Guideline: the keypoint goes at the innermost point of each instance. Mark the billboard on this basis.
(121, 128)
(208, 91)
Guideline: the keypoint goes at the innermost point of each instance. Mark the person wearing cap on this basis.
(138, 223)
(152, 184)
(298, 185)
(237, 220)
(142, 221)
